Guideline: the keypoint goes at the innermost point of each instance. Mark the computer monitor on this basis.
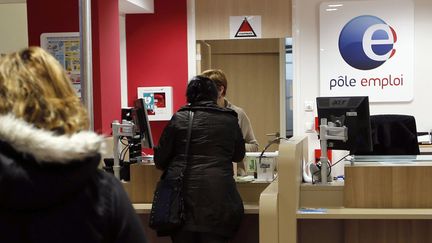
(141, 121)
(126, 113)
(352, 112)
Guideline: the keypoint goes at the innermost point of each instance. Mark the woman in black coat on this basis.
(213, 205)
(51, 189)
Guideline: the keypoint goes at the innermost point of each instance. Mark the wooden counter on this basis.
(388, 185)
(378, 203)
(144, 208)
(140, 190)
(145, 176)
(369, 213)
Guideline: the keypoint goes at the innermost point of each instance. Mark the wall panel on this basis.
(157, 53)
(212, 17)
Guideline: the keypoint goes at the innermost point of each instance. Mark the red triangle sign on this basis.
(245, 30)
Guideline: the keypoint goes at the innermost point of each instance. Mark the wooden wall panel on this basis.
(320, 230)
(248, 46)
(212, 17)
(253, 81)
(388, 231)
(362, 231)
(203, 56)
(388, 187)
(143, 179)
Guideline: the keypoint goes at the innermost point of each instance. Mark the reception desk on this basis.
(143, 180)
(144, 177)
(379, 202)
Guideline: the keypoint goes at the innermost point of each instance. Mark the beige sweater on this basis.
(251, 143)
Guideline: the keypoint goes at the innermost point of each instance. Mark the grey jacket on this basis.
(246, 127)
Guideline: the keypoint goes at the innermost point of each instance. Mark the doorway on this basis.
(254, 72)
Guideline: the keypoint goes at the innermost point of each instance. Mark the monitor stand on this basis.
(119, 130)
(328, 130)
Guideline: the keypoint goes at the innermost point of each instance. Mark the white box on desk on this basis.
(265, 169)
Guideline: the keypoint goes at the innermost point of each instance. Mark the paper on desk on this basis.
(244, 178)
(424, 139)
(312, 210)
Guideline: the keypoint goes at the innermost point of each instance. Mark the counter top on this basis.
(144, 208)
(334, 185)
(389, 160)
(368, 213)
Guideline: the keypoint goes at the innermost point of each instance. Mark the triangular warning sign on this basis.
(245, 30)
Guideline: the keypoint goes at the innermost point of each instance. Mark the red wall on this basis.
(156, 50)
(45, 16)
(106, 64)
(157, 53)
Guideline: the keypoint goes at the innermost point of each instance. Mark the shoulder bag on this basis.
(167, 213)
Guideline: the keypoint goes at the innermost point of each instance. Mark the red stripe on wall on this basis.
(106, 64)
(157, 53)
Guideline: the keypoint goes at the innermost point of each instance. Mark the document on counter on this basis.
(244, 178)
(424, 139)
(312, 210)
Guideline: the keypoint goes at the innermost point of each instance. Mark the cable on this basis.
(330, 166)
(339, 160)
(122, 140)
(276, 140)
(123, 153)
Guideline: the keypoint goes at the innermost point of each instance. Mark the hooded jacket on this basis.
(212, 202)
(52, 191)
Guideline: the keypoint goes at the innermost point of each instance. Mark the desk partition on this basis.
(144, 177)
(380, 202)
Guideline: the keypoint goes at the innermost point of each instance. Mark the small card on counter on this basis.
(312, 210)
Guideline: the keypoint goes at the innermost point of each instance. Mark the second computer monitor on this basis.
(140, 118)
(352, 112)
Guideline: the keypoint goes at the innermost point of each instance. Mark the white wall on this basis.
(191, 39)
(306, 66)
(123, 62)
(13, 27)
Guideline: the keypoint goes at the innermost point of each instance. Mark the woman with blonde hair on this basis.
(51, 189)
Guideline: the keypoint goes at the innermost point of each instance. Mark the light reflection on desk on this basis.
(390, 159)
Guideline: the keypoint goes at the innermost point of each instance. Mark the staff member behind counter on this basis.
(220, 80)
(218, 76)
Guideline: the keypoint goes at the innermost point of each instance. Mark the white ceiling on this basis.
(136, 6)
(125, 6)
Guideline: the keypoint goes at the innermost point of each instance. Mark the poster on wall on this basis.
(245, 27)
(65, 47)
(366, 49)
(158, 102)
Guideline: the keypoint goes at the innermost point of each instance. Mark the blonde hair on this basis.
(217, 76)
(35, 87)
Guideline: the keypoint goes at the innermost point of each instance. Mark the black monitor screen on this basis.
(126, 113)
(352, 112)
(140, 118)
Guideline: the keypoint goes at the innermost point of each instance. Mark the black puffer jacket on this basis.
(52, 191)
(213, 203)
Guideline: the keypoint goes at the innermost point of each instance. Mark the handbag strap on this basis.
(188, 137)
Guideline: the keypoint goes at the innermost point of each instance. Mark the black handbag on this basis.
(167, 213)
